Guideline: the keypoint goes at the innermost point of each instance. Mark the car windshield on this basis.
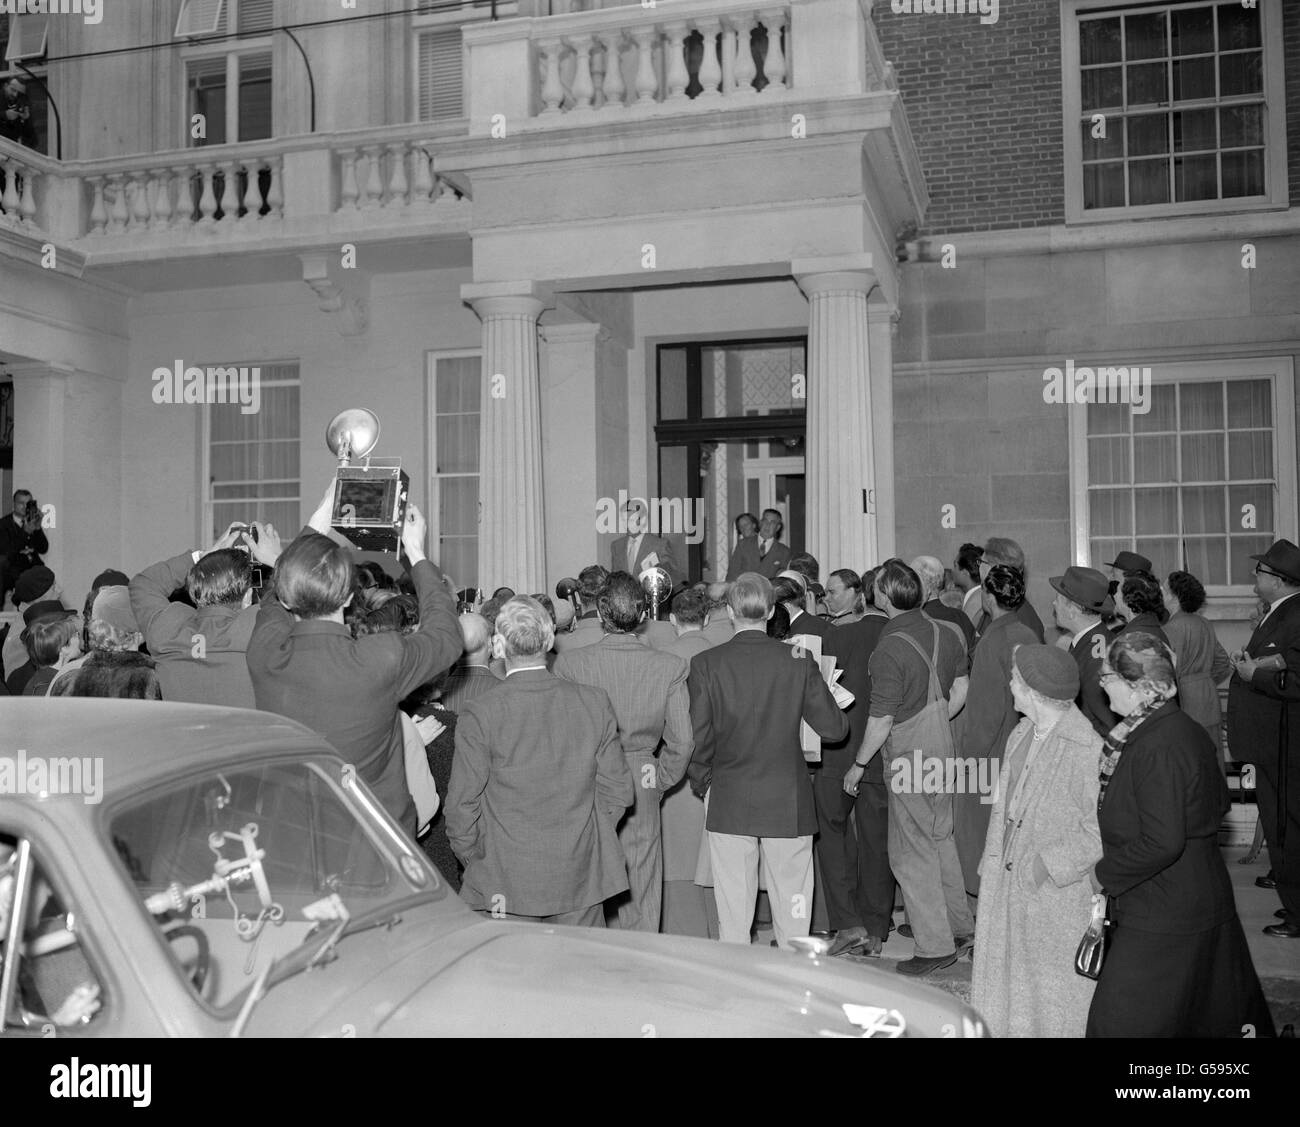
(239, 867)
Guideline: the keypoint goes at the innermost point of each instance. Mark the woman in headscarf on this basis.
(1035, 896)
(1177, 964)
(981, 729)
(1200, 659)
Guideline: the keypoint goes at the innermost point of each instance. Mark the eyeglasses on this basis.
(1108, 675)
(1260, 569)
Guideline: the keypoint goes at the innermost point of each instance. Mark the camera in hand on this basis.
(369, 499)
(33, 510)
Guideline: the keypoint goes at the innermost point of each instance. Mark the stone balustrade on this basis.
(21, 171)
(392, 174)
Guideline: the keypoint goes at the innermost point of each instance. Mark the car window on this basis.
(238, 867)
(51, 983)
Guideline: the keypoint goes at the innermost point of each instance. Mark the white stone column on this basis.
(882, 321)
(512, 527)
(840, 441)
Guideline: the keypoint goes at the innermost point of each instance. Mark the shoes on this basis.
(871, 948)
(1266, 881)
(965, 945)
(917, 966)
(891, 928)
(1283, 930)
(847, 939)
(905, 930)
(1282, 914)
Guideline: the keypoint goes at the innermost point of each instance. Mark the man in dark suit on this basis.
(470, 678)
(788, 590)
(305, 664)
(857, 885)
(773, 556)
(22, 542)
(648, 691)
(641, 549)
(930, 572)
(748, 696)
(538, 783)
(1082, 599)
(1264, 721)
(744, 556)
(587, 630)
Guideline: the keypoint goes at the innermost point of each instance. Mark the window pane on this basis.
(1146, 36)
(1241, 126)
(1250, 454)
(1193, 79)
(1165, 554)
(457, 444)
(1206, 558)
(1260, 497)
(1241, 74)
(1196, 178)
(1155, 460)
(1148, 84)
(1163, 413)
(1203, 508)
(1110, 513)
(1103, 185)
(1102, 88)
(1148, 134)
(1193, 30)
(458, 558)
(1194, 129)
(1111, 145)
(1200, 406)
(1148, 182)
(1238, 27)
(1099, 41)
(1250, 403)
(1243, 174)
(672, 384)
(1108, 418)
(1240, 549)
(1108, 461)
(457, 384)
(1202, 457)
(458, 506)
(254, 98)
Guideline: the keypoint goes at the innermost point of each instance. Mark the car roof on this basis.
(142, 741)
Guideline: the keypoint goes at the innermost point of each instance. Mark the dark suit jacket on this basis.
(15, 539)
(650, 545)
(776, 561)
(1146, 623)
(466, 683)
(747, 698)
(810, 624)
(1092, 699)
(935, 609)
(744, 557)
(538, 785)
(852, 646)
(220, 675)
(348, 689)
(648, 691)
(1255, 709)
(1159, 827)
(1024, 612)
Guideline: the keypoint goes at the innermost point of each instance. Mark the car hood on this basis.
(507, 979)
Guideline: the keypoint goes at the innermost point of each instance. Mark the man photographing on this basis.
(22, 541)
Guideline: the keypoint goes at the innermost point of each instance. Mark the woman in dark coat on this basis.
(1177, 964)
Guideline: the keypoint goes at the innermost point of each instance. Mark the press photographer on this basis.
(22, 542)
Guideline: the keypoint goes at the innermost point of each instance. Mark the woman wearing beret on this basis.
(1035, 896)
(1177, 964)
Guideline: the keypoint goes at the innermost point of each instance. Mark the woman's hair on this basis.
(46, 638)
(1006, 585)
(104, 637)
(1142, 594)
(313, 576)
(219, 578)
(778, 626)
(371, 576)
(1142, 658)
(869, 587)
(124, 676)
(899, 584)
(1187, 589)
(397, 614)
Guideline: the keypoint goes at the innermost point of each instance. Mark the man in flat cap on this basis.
(1264, 722)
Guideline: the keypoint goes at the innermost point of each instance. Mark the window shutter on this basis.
(441, 75)
(199, 17)
(255, 15)
(27, 37)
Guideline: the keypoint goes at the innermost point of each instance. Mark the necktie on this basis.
(763, 546)
(631, 554)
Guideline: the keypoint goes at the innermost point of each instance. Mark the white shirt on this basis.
(524, 669)
(1086, 630)
(634, 549)
(1275, 604)
(764, 546)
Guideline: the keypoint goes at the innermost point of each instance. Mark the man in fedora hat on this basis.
(1264, 721)
(1128, 562)
(1082, 599)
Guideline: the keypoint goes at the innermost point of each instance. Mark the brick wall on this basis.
(984, 103)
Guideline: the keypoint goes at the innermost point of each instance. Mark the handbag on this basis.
(1091, 952)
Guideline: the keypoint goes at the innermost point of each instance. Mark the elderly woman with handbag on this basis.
(1177, 964)
(1042, 844)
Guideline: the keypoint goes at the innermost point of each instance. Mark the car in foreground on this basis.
(183, 870)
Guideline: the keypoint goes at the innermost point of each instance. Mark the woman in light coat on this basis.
(1035, 894)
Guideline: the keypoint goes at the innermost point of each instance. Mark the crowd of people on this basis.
(584, 762)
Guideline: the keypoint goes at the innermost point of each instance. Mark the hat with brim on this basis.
(38, 612)
(1284, 558)
(1131, 561)
(32, 584)
(1083, 585)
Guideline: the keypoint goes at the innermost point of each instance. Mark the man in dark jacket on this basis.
(748, 696)
(22, 541)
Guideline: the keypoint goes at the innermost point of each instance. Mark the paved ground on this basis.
(1277, 961)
